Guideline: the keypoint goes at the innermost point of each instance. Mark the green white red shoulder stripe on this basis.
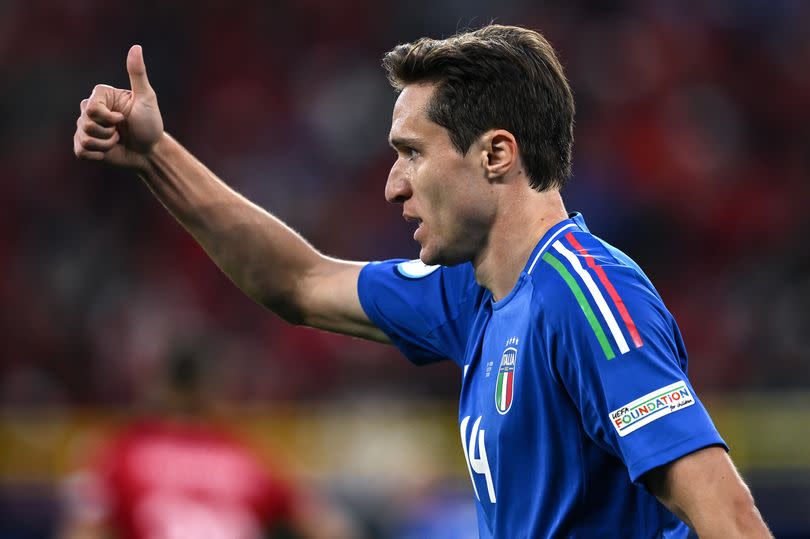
(617, 299)
(594, 295)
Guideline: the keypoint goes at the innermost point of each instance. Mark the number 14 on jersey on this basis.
(479, 464)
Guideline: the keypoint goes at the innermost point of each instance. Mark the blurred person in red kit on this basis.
(177, 475)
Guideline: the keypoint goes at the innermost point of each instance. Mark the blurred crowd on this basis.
(692, 154)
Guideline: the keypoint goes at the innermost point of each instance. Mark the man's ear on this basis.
(500, 153)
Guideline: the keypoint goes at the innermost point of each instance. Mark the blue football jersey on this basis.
(573, 385)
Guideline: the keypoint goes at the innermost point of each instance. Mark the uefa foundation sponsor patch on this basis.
(652, 406)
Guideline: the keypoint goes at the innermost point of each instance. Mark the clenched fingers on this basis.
(97, 107)
(88, 147)
(93, 129)
(96, 144)
(85, 153)
(99, 113)
(90, 156)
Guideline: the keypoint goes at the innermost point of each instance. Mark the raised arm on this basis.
(269, 261)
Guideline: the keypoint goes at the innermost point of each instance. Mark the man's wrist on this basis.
(145, 164)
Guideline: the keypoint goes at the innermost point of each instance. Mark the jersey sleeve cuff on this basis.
(690, 445)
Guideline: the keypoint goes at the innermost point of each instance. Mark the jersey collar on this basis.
(574, 221)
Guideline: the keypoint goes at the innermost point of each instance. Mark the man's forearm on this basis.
(734, 516)
(705, 491)
(262, 255)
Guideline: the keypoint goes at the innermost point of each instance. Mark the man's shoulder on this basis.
(415, 270)
(588, 292)
(581, 277)
(425, 288)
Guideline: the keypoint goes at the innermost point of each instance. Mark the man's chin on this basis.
(431, 257)
(427, 259)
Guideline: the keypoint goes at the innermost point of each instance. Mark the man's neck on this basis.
(523, 218)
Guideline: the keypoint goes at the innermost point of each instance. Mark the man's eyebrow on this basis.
(402, 142)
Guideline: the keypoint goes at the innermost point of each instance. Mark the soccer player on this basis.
(175, 474)
(576, 415)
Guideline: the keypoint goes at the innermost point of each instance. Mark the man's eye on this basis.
(406, 152)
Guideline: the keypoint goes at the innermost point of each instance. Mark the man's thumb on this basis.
(137, 71)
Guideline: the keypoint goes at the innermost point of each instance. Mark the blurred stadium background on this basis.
(692, 154)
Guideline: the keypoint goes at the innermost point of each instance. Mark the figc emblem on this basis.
(505, 386)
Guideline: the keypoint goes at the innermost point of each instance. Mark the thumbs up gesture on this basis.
(120, 127)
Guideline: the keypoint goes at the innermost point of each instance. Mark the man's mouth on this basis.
(410, 218)
(418, 229)
(417, 220)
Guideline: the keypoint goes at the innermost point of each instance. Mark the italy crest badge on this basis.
(505, 386)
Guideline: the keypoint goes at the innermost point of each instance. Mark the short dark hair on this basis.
(496, 77)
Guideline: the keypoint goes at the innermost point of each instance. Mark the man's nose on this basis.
(398, 187)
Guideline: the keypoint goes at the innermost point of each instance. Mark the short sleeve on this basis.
(426, 311)
(620, 356)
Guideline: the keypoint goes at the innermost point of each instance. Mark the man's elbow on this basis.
(747, 520)
(283, 307)
(739, 518)
(282, 302)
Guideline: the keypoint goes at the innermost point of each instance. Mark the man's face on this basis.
(445, 192)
